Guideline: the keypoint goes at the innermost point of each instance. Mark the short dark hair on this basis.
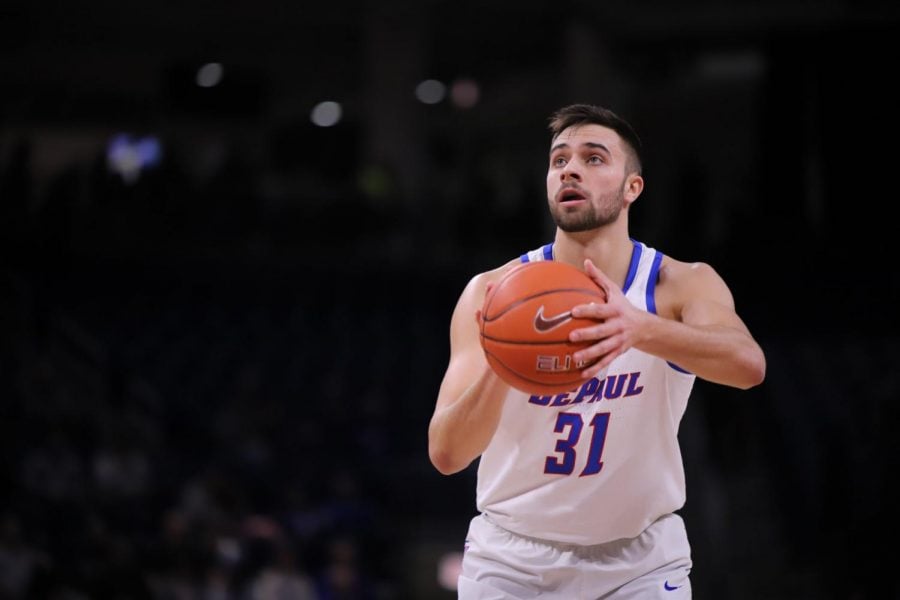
(587, 114)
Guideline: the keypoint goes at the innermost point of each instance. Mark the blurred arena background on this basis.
(233, 234)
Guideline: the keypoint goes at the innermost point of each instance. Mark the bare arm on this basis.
(697, 327)
(470, 399)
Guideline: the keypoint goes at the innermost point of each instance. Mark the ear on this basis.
(633, 186)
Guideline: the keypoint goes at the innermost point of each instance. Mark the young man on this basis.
(577, 492)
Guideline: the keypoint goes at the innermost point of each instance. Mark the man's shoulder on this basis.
(480, 280)
(672, 270)
(680, 281)
(472, 296)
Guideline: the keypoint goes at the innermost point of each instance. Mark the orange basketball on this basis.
(526, 320)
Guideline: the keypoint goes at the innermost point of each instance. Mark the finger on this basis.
(599, 350)
(593, 310)
(597, 275)
(601, 363)
(598, 366)
(592, 332)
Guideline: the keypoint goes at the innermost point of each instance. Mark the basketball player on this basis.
(577, 492)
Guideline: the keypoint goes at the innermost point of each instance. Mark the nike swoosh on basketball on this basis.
(668, 587)
(542, 325)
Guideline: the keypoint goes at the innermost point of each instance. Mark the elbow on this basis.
(755, 371)
(444, 461)
(442, 452)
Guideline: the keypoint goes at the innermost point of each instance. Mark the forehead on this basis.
(580, 135)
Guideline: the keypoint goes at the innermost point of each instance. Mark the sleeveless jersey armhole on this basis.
(651, 298)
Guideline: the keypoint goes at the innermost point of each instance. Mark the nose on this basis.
(570, 172)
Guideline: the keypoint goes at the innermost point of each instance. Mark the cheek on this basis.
(611, 182)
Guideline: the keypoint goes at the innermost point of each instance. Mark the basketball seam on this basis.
(521, 301)
(526, 342)
(549, 382)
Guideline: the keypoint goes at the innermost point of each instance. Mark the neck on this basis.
(609, 248)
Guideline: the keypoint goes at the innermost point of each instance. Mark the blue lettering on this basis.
(589, 387)
(614, 387)
(633, 388)
(598, 395)
(610, 387)
(561, 400)
(540, 400)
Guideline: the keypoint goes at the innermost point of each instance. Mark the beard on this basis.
(590, 217)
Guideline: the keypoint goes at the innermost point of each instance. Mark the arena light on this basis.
(210, 75)
(431, 91)
(129, 156)
(465, 93)
(326, 114)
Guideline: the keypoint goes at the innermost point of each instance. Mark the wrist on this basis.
(645, 331)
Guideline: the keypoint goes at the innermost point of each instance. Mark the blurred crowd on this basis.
(171, 453)
(219, 389)
(177, 424)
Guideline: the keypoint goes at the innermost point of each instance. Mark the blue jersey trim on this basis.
(651, 298)
(632, 268)
(679, 369)
(651, 282)
(546, 250)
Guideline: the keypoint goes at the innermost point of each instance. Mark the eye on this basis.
(559, 161)
(595, 159)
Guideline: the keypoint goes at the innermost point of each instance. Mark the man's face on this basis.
(586, 178)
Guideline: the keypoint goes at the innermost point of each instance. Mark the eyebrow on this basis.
(586, 144)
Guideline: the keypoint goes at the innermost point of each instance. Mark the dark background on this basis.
(216, 378)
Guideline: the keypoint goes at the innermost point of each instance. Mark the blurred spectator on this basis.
(121, 467)
(343, 577)
(282, 578)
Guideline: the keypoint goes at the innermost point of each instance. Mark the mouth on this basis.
(569, 195)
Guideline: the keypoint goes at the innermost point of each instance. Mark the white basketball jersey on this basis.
(600, 462)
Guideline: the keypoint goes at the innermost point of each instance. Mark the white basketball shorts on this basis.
(501, 565)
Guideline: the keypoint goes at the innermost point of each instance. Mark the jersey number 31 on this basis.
(564, 464)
